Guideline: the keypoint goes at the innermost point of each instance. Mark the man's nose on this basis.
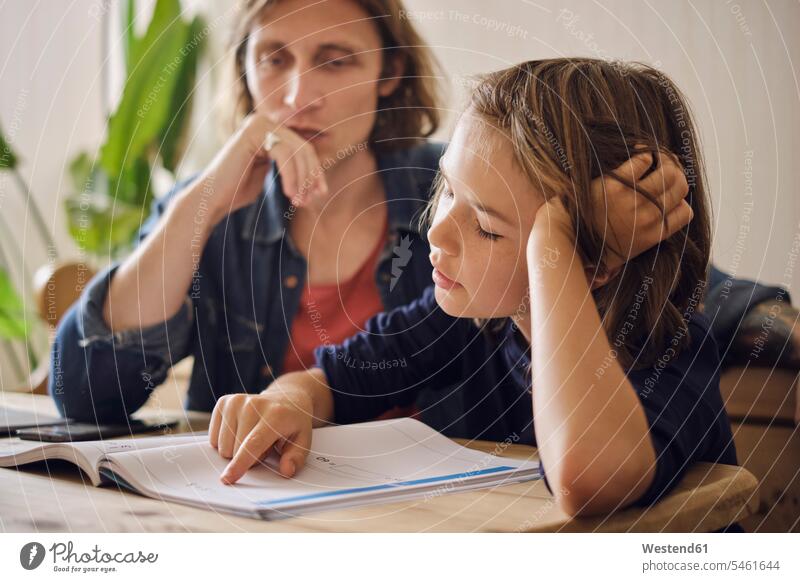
(302, 90)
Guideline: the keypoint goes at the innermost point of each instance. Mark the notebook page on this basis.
(345, 461)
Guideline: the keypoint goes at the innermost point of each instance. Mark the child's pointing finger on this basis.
(253, 448)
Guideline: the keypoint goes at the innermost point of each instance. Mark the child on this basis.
(535, 287)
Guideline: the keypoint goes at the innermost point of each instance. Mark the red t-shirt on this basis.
(330, 313)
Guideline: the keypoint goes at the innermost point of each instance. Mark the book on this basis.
(88, 455)
(347, 466)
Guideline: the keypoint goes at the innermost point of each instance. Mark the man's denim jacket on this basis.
(238, 313)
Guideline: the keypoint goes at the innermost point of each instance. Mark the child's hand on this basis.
(634, 223)
(552, 218)
(245, 427)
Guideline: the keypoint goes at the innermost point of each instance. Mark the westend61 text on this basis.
(673, 549)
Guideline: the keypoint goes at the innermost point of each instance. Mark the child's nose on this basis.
(443, 234)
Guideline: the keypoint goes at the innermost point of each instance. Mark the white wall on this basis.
(50, 109)
(50, 102)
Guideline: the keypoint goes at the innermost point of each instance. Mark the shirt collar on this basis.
(266, 220)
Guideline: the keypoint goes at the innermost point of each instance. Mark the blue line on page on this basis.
(322, 494)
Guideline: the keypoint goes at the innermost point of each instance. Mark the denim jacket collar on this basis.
(266, 221)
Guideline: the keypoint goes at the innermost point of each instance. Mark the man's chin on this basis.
(332, 152)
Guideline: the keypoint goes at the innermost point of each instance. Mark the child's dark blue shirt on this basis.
(418, 347)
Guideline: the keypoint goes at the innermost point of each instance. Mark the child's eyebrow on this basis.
(477, 205)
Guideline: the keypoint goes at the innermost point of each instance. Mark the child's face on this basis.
(481, 226)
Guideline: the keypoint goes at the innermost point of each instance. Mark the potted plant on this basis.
(113, 191)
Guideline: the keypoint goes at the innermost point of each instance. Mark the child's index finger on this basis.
(253, 447)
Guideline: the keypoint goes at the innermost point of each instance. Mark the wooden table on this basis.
(55, 497)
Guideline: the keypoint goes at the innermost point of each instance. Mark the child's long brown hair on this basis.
(573, 120)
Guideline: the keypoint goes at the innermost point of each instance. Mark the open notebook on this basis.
(349, 465)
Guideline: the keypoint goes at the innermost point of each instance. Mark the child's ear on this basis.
(392, 75)
(598, 277)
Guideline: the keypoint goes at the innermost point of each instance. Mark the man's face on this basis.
(315, 68)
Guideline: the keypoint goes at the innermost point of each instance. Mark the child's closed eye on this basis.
(448, 193)
(484, 233)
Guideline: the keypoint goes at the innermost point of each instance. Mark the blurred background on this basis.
(66, 68)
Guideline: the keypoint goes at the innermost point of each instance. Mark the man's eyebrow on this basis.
(270, 45)
(336, 46)
(477, 206)
(277, 45)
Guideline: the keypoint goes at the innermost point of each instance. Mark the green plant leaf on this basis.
(130, 32)
(104, 215)
(171, 134)
(147, 95)
(13, 321)
(103, 230)
(132, 187)
(7, 158)
(80, 172)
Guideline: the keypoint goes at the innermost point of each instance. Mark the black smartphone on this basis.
(81, 431)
